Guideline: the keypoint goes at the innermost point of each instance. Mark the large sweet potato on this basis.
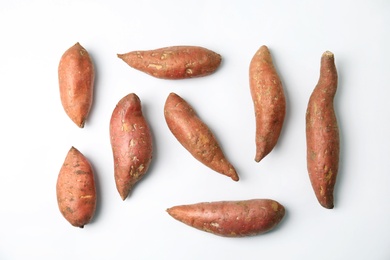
(195, 135)
(176, 62)
(131, 142)
(76, 75)
(231, 218)
(76, 193)
(322, 133)
(269, 102)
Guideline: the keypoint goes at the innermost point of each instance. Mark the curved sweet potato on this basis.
(76, 193)
(231, 218)
(195, 136)
(269, 102)
(322, 133)
(131, 142)
(76, 75)
(175, 62)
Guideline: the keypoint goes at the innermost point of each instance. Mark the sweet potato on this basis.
(322, 133)
(176, 62)
(195, 135)
(231, 218)
(131, 142)
(76, 75)
(76, 193)
(269, 101)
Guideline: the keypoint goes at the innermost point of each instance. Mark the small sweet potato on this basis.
(195, 135)
(322, 133)
(269, 102)
(231, 218)
(131, 142)
(76, 75)
(176, 62)
(76, 193)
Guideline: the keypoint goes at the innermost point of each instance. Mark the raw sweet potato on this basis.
(76, 75)
(322, 133)
(176, 62)
(195, 135)
(231, 218)
(76, 193)
(269, 102)
(131, 142)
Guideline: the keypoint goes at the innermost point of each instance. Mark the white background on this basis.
(36, 134)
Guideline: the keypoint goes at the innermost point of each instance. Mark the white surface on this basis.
(36, 133)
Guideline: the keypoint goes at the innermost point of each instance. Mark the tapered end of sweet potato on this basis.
(121, 56)
(263, 147)
(326, 202)
(233, 174)
(80, 123)
(129, 58)
(181, 213)
(171, 212)
(259, 156)
(328, 54)
(123, 186)
(124, 194)
(328, 72)
(328, 206)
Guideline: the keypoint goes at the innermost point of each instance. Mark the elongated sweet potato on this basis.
(322, 133)
(76, 193)
(76, 75)
(175, 62)
(195, 136)
(269, 102)
(231, 218)
(131, 142)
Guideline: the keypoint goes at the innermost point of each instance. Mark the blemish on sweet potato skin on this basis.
(231, 218)
(195, 136)
(175, 62)
(76, 75)
(131, 142)
(75, 188)
(322, 133)
(269, 101)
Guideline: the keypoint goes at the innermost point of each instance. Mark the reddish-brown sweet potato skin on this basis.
(269, 101)
(76, 192)
(76, 75)
(322, 133)
(131, 142)
(196, 136)
(231, 218)
(175, 62)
